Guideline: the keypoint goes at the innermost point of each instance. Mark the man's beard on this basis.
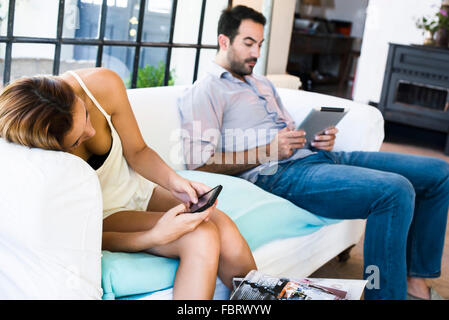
(240, 68)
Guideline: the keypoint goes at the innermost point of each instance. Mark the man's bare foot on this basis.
(418, 287)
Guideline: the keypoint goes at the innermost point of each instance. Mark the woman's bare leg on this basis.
(162, 200)
(236, 258)
(198, 252)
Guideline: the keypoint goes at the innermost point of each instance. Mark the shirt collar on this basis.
(217, 70)
(220, 72)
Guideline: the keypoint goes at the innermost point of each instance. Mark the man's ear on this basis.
(223, 42)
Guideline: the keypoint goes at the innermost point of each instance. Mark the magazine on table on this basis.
(259, 286)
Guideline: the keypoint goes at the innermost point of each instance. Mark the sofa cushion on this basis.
(50, 225)
(260, 216)
(128, 274)
(159, 121)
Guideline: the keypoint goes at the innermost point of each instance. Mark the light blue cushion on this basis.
(260, 216)
(124, 274)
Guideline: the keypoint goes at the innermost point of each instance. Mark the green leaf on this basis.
(153, 76)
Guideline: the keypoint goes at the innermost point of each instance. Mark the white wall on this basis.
(387, 21)
(255, 4)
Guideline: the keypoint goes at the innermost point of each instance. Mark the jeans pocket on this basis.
(267, 181)
(332, 156)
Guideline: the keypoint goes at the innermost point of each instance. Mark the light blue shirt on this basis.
(221, 113)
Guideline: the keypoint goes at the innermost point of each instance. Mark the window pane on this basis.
(36, 18)
(31, 59)
(4, 8)
(77, 57)
(122, 20)
(187, 22)
(119, 59)
(183, 63)
(212, 15)
(152, 68)
(2, 61)
(207, 56)
(81, 19)
(156, 26)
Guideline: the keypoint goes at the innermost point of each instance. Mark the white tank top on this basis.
(123, 189)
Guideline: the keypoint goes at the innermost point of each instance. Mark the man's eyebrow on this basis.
(251, 39)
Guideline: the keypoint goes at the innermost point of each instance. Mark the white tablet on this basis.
(319, 119)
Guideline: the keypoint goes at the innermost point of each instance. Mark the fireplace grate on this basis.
(415, 91)
(422, 95)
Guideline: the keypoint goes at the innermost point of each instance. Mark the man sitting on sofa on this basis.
(403, 197)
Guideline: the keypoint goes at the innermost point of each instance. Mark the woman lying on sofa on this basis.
(87, 113)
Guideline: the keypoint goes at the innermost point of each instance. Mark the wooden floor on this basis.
(353, 268)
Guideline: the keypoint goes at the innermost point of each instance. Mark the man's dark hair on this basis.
(231, 18)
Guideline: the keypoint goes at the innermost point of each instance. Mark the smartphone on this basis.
(206, 200)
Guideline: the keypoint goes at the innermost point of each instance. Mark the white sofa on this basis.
(362, 129)
(49, 250)
(50, 225)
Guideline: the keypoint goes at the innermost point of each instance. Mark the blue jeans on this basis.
(403, 197)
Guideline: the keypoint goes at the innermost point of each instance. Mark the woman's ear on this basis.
(223, 42)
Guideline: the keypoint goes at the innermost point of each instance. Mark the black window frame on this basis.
(100, 42)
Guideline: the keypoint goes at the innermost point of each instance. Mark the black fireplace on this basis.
(415, 91)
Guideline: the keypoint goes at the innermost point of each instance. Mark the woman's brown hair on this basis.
(37, 112)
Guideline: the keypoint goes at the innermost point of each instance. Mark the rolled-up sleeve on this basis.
(201, 119)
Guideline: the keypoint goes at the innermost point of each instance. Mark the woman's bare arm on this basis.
(108, 88)
(144, 231)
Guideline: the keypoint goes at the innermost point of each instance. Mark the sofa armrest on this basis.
(285, 81)
(362, 129)
(50, 225)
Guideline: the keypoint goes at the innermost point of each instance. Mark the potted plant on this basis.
(436, 27)
(429, 25)
(152, 76)
(442, 35)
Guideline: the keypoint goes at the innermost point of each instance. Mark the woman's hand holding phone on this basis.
(185, 190)
(174, 224)
(206, 200)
